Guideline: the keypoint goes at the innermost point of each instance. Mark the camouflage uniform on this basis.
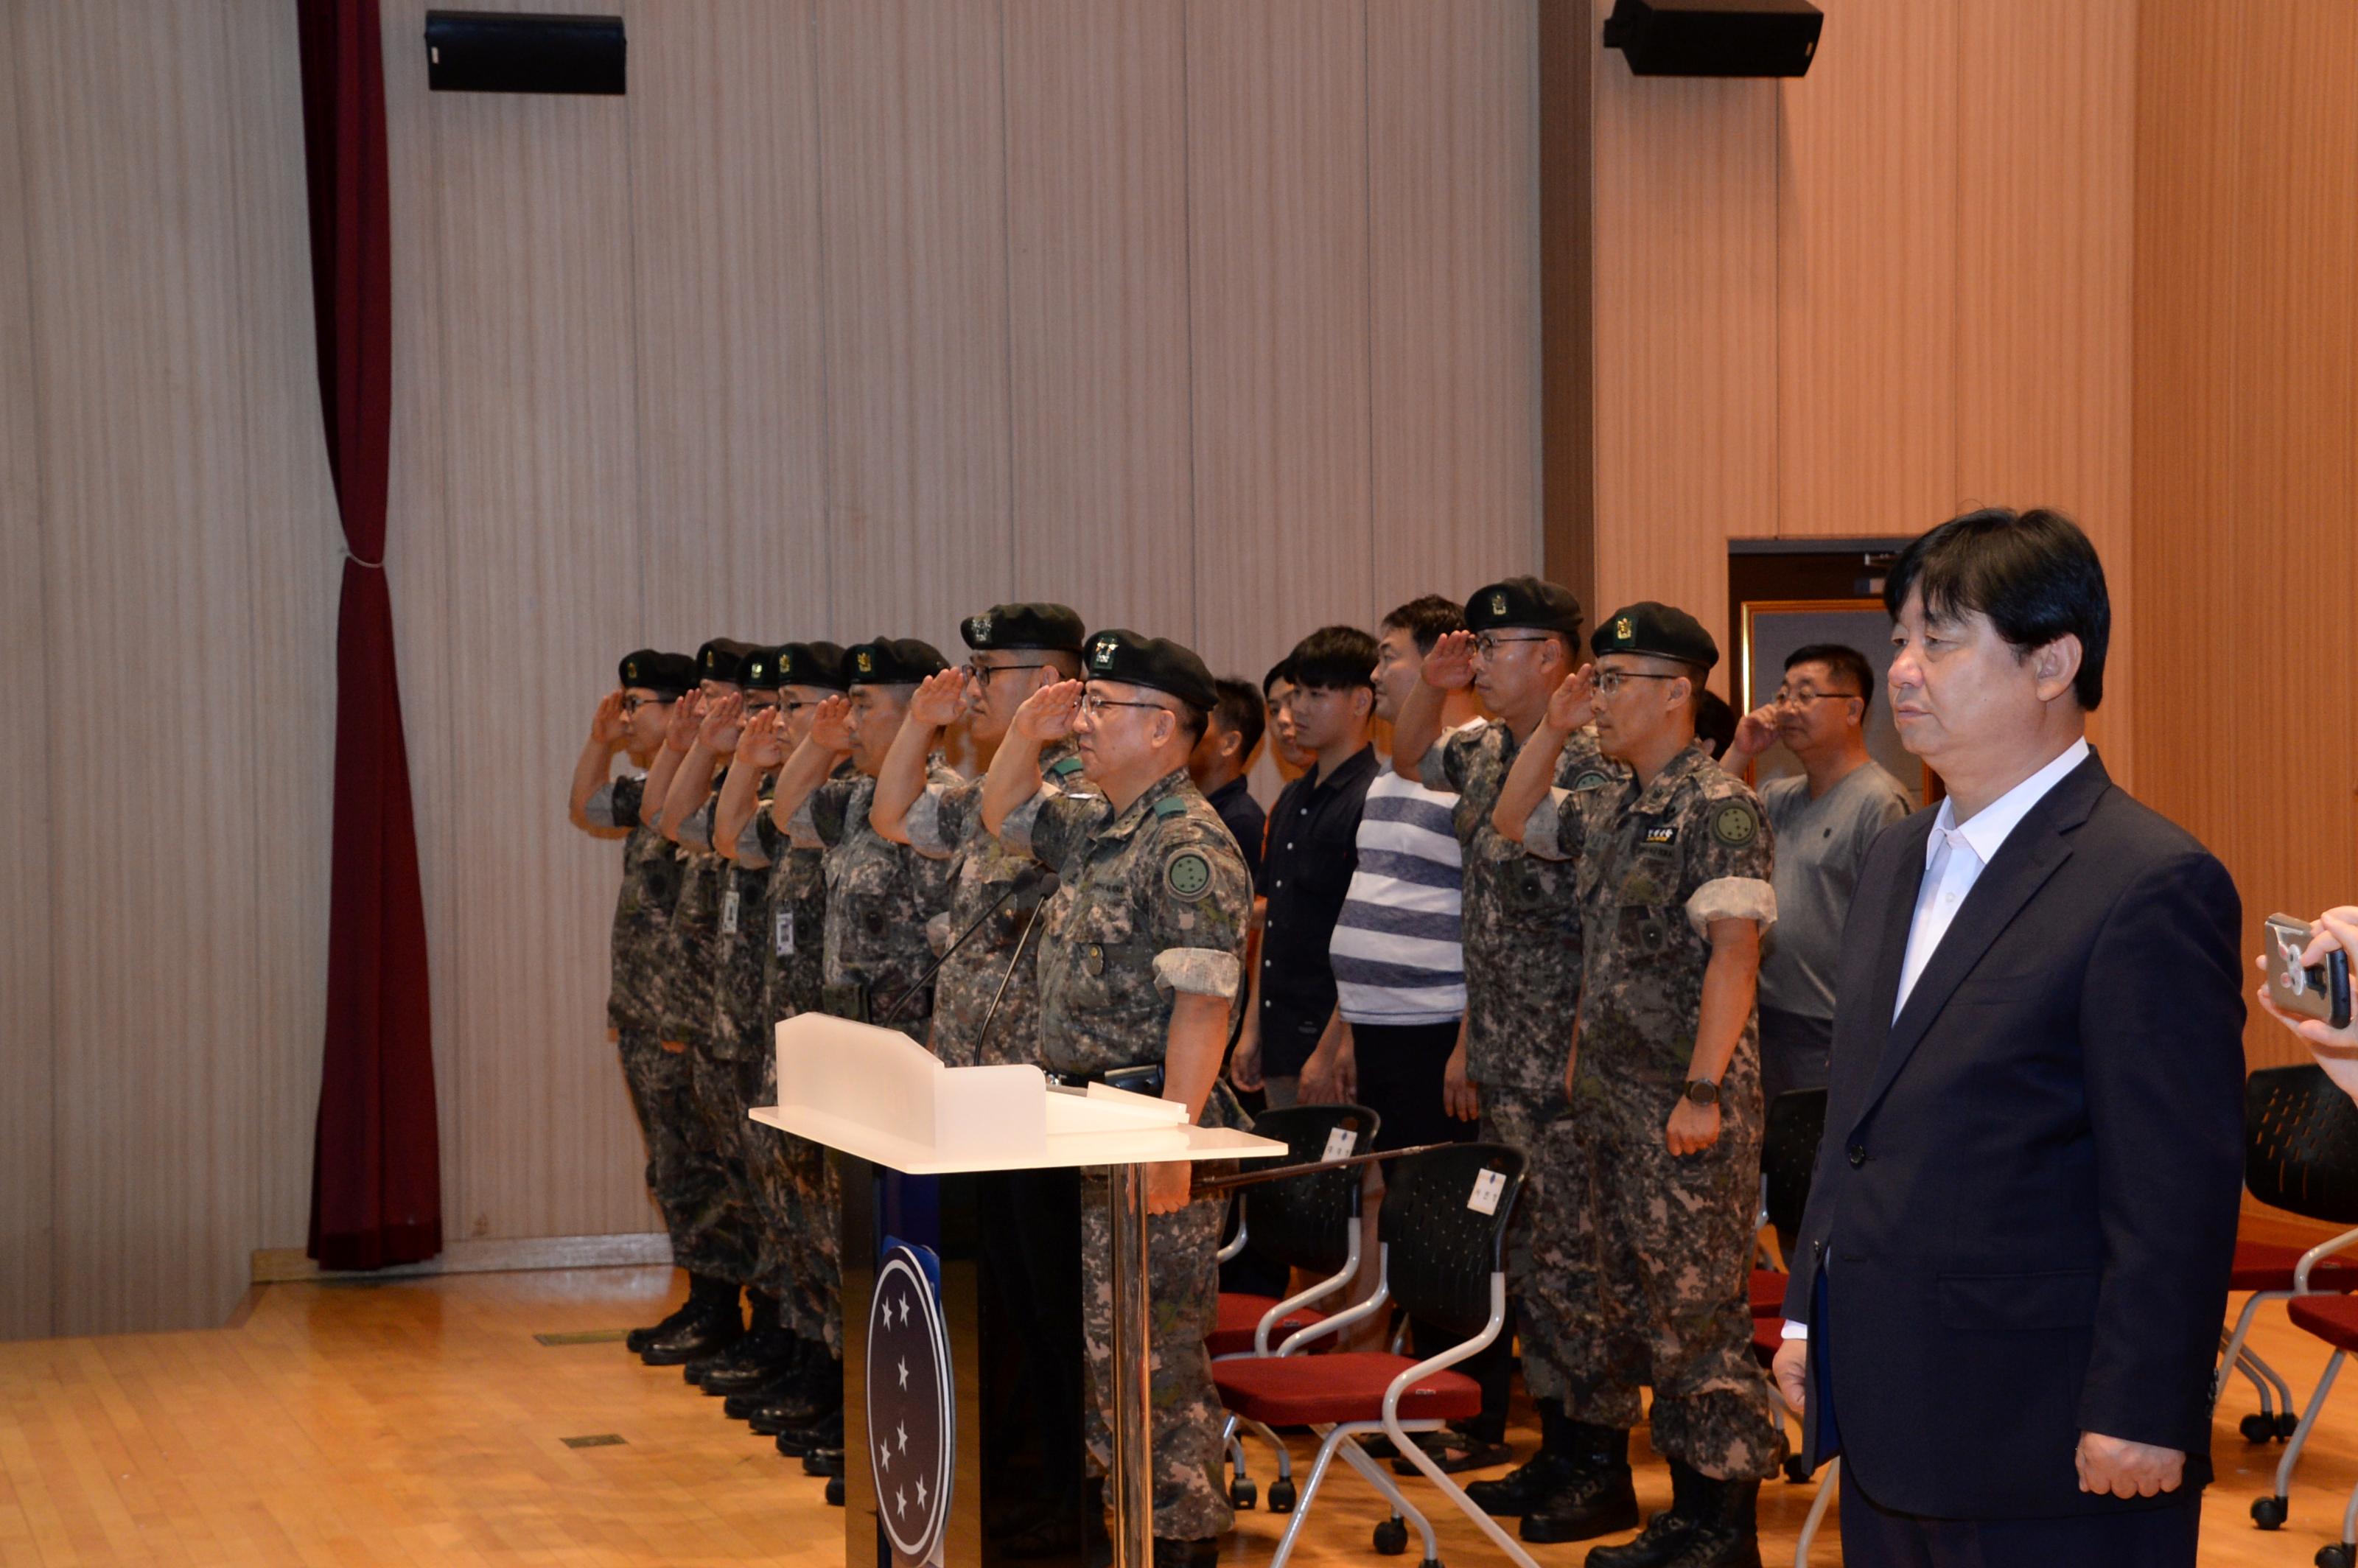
(1672, 1235)
(1521, 932)
(880, 896)
(1155, 900)
(660, 1093)
(720, 1241)
(945, 824)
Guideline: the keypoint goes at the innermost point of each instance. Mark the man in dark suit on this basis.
(2007, 1290)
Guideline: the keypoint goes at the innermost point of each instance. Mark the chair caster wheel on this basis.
(1430, 1563)
(1795, 1471)
(2287, 1423)
(2257, 1427)
(1281, 1496)
(2335, 1556)
(1392, 1538)
(1242, 1492)
(2269, 1513)
(835, 1492)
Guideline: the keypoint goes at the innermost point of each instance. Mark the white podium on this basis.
(879, 1098)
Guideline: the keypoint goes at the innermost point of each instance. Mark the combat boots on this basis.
(1537, 1479)
(713, 1322)
(754, 1360)
(1599, 1500)
(1711, 1524)
(638, 1340)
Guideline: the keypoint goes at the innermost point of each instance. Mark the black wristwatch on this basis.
(1702, 1091)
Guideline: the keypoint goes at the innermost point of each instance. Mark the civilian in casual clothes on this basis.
(1823, 820)
(1292, 762)
(1313, 852)
(1222, 757)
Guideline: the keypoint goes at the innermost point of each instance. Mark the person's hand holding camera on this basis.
(2336, 1050)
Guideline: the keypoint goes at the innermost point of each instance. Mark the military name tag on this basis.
(1488, 1188)
(782, 935)
(1655, 837)
(729, 912)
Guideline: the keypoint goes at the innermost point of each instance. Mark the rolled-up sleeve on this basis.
(616, 804)
(696, 833)
(1733, 898)
(1553, 830)
(1199, 971)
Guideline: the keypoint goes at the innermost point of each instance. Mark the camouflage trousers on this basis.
(800, 1209)
(1550, 1275)
(682, 1177)
(723, 1239)
(1672, 1237)
(1183, 1413)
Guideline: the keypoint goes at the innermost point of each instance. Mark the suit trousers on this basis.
(2162, 1536)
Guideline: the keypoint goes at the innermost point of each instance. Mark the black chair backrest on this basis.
(1789, 1152)
(1446, 1227)
(1305, 1222)
(2301, 1143)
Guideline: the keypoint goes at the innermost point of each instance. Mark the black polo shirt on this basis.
(1243, 818)
(1314, 847)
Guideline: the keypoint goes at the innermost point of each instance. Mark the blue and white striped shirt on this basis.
(1396, 948)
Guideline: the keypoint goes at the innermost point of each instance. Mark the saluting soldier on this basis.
(1521, 931)
(1674, 858)
(631, 719)
(1144, 949)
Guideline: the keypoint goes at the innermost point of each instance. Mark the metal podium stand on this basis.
(878, 1097)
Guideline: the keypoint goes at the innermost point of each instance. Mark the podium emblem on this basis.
(912, 1410)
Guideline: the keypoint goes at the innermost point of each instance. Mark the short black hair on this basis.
(1846, 662)
(2033, 573)
(1715, 723)
(1239, 709)
(1334, 658)
(1280, 671)
(1426, 620)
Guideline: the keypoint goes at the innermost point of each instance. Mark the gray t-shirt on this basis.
(1821, 844)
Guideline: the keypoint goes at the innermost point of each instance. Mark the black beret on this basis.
(1524, 601)
(814, 664)
(1661, 631)
(666, 674)
(1155, 662)
(1023, 626)
(724, 659)
(894, 660)
(762, 670)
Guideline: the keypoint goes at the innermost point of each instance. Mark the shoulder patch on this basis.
(1735, 822)
(1170, 806)
(1594, 778)
(1187, 875)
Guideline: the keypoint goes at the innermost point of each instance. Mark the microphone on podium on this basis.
(1030, 875)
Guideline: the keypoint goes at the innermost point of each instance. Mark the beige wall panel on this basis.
(725, 282)
(2246, 426)
(1686, 334)
(2045, 216)
(1452, 226)
(540, 459)
(29, 1041)
(419, 550)
(131, 208)
(913, 218)
(293, 568)
(1097, 219)
(1277, 178)
(1866, 276)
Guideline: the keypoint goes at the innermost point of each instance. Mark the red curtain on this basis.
(376, 1183)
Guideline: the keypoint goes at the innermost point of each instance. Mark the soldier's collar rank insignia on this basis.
(1665, 834)
(1735, 824)
(1169, 806)
(1187, 875)
(1064, 767)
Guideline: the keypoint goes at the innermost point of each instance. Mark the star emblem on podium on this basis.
(911, 1406)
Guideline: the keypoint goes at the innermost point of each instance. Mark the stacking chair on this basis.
(1442, 1235)
(1307, 1223)
(2301, 1153)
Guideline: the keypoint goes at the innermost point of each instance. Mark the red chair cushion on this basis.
(1347, 1385)
(1241, 1315)
(1768, 1292)
(2333, 1319)
(2264, 1266)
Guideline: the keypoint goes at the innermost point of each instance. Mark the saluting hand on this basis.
(1693, 1128)
(722, 723)
(1048, 714)
(607, 726)
(759, 745)
(939, 699)
(1574, 702)
(1450, 666)
(686, 717)
(831, 724)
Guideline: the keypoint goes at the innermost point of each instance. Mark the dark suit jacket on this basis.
(2024, 1210)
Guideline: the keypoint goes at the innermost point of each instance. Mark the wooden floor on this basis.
(419, 1422)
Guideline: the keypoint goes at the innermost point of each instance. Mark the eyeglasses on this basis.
(1488, 646)
(1611, 681)
(1093, 708)
(632, 704)
(976, 670)
(1796, 698)
(754, 707)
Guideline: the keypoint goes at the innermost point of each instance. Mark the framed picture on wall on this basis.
(1771, 630)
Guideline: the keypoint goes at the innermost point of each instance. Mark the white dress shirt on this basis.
(1955, 857)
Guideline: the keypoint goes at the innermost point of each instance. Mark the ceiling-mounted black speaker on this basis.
(1715, 38)
(511, 51)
